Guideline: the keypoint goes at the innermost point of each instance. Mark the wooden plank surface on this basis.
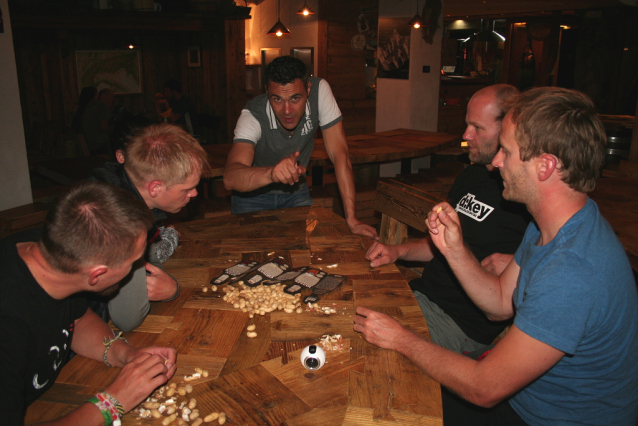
(260, 380)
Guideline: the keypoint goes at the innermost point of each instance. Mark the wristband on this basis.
(108, 344)
(111, 409)
(176, 295)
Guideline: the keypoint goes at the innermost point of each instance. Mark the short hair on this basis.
(126, 125)
(286, 69)
(94, 223)
(164, 152)
(505, 94)
(173, 84)
(564, 123)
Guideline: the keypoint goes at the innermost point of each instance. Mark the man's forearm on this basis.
(243, 178)
(419, 251)
(345, 181)
(482, 287)
(88, 340)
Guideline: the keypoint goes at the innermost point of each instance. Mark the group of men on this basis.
(537, 265)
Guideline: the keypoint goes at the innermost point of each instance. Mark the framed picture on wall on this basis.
(306, 55)
(118, 70)
(194, 56)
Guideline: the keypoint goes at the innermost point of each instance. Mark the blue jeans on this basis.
(270, 201)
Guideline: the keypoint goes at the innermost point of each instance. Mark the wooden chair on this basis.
(402, 205)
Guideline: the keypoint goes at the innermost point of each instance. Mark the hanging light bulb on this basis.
(305, 10)
(279, 29)
(417, 21)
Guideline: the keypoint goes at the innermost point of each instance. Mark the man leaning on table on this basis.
(162, 167)
(493, 234)
(274, 138)
(570, 356)
(44, 316)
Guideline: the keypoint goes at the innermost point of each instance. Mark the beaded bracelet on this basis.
(108, 344)
(111, 409)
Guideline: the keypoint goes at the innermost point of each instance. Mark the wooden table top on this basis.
(260, 381)
(392, 145)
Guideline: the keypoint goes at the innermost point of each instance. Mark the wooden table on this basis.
(260, 381)
(393, 145)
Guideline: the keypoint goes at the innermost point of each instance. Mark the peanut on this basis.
(222, 418)
(168, 420)
(251, 334)
(212, 416)
(251, 327)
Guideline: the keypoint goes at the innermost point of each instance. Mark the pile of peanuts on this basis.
(262, 299)
(171, 402)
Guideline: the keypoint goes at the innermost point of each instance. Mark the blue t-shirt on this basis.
(578, 294)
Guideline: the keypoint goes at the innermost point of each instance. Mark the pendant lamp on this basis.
(278, 29)
(417, 21)
(305, 10)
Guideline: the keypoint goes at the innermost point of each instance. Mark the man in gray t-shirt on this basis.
(274, 138)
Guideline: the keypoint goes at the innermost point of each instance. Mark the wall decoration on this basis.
(393, 53)
(194, 56)
(118, 70)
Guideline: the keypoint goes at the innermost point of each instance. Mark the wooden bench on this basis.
(22, 217)
(402, 205)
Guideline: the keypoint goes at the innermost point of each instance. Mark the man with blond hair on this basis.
(570, 355)
(43, 312)
(162, 167)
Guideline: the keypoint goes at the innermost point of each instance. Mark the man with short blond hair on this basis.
(43, 312)
(162, 166)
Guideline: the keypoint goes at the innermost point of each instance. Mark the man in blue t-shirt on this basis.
(274, 138)
(569, 357)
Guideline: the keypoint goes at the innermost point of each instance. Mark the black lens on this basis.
(312, 363)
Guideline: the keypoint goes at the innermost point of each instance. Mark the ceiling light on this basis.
(279, 29)
(305, 10)
(417, 21)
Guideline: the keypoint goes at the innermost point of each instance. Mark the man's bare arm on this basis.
(382, 254)
(514, 362)
(239, 175)
(334, 140)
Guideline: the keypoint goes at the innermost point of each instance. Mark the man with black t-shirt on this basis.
(44, 316)
(491, 226)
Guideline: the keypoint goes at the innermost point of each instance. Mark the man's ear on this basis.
(95, 273)
(547, 164)
(154, 188)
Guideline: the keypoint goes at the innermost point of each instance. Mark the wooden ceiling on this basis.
(505, 8)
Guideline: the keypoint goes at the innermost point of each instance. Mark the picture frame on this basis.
(118, 70)
(194, 56)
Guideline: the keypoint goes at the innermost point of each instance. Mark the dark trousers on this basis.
(457, 411)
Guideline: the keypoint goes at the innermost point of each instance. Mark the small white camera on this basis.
(313, 357)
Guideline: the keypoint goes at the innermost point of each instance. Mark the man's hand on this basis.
(445, 228)
(380, 329)
(382, 254)
(288, 170)
(360, 228)
(159, 284)
(141, 376)
(496, 262)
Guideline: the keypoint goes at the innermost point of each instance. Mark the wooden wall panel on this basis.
(45, 59)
